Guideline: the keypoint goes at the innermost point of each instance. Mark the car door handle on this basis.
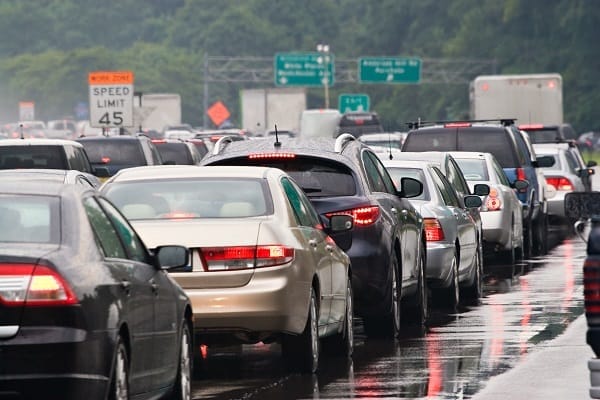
(394, 211)
(312, 242)
(329, 248)
(126, 285)
(154, 286)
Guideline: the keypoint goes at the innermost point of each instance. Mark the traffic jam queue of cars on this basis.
(275, 240)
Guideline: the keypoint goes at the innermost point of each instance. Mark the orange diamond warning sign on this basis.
(218, 113)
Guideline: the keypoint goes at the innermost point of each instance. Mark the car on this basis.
(178, 134)
(86, 311)
(56, 175)
(45, 154)
(385, 141)
(114, 153)
(568, 174)
(501, 212)
(175, 151)
(358, 123)
(386, 245)
(62, 129)
(584, 207)
(589, 141)
(506, 142)
(263, 267)
(200, 145)
(541, 133)
(452, 234)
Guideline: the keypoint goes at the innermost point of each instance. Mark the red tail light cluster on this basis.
(493, 202)
(591, 290)
(245, 257)
(33, 285)
(522, 177)
(363, 216)
(560, 183)
(433, 230)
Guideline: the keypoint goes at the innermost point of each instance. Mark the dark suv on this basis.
(386, 246)
(511, 150)
(118, 152)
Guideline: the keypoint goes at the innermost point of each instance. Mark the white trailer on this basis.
(529, 98)
(262, 109)
(157, 111)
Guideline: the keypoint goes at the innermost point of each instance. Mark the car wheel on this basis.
(301, 352)
(119, 383)
(388, 325)
(528, 238)
(541, 235)
(450, 297)
(183, 382)
(342, 343)
(474, 291)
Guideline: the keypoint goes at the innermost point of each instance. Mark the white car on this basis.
(501, 212)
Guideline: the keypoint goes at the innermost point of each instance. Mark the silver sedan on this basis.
(451, 233)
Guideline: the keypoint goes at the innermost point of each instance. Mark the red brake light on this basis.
(457, 125)
(159, 141)
(244, 257)
(179, 215)
(275, 155)
(363, 216)
(105, 160)
(433, 230)
(493, 203)
(531, 127)
(33, 285)
(560, 183)
(521, 174)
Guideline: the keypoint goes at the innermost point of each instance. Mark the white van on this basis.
(320, 123)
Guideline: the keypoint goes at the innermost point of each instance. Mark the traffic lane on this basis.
(455, 358)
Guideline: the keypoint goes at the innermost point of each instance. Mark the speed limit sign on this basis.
(111, 99)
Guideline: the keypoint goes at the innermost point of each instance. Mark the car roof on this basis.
(38, 142)
(435, 156)
(21, 173)
(187, 171)
(470, 154)
(380, 136)
(48, 188)
(406, 163)
(109, 138)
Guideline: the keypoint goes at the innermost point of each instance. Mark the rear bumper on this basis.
(55, 362)
(439, 263)
(496, 228)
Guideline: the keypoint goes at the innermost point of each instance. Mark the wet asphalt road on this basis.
(460, 352)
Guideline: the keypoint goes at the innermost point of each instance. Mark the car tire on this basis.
(528, 238)
(388, 325)
(418, 306)
(474, 291)
(119, 382)
(342, 343)
(182, 389)
(540, 239)
(449, 298)
(301, 352)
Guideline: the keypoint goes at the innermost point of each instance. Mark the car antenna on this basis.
(390, 145)
(277, 142)
(21, 129)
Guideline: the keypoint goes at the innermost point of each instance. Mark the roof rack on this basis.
(419, 124)
(223, 140)
(342, 141)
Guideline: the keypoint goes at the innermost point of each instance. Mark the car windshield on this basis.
(44, 157)
(191, 198)
(317, 177)
(29, 219)
(114, 152)
(473, 169)
(397, 173)
(395, 144)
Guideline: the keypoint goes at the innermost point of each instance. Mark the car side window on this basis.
(304, 213)
(375, 181)
(500, 173)
(82, 160)
(456, 177)
(385, 176)
(103, 229)
(573, 165)
(133, 245)
(448, 193)
(152, 153)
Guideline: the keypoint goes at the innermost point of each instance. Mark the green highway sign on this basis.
(389, 70)
(353, 102)
(304, 69)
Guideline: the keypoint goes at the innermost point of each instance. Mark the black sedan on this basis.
(86, 311)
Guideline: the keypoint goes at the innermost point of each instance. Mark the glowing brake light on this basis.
(159, 141)
(457, 125)
(363, 216)
(105, 160)
(33, 285)
(245, 257)
(531, 127)
(560, 183)
(433, 230)
(493, 203)
(274, 155)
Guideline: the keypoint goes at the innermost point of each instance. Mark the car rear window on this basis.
(127, 152)
(175, 152)
(318, 177)
(473, 169)
(29, 219)
(397, 173)
(191, 198)
(38, 156)
(545, 135)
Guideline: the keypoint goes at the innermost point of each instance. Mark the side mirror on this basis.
(545, 162)
(591, 163)
(472, 201)
(101, 172)
(481, 189)
(341, 223)
(520, 185)
(410, 187)
(170, 257)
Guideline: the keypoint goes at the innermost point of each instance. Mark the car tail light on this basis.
(105, 160)
(362, 216)
(493, 202)
(457, 125)
(560, 183)
(179, 215)
(273, 155)
(245, 257)
(531, 127)
(33, 285)
(159, 141)
(591, 290)
(433, 230)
